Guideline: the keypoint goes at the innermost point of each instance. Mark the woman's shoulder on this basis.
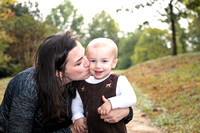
(24, 83)
(28, 71)
(28, 74)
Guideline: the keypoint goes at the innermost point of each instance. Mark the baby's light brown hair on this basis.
(104, 42)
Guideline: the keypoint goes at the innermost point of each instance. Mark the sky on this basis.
(127, 21)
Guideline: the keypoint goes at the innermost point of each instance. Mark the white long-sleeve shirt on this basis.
(125, 96)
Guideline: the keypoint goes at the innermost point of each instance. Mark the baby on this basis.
(102, 91)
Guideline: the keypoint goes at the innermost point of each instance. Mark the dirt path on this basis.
(141, 124)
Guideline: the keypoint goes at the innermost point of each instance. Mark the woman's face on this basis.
(77, 67)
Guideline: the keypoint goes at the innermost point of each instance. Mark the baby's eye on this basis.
(92, 61)
(104, 61)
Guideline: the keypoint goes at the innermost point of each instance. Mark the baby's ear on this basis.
(58, 74)
(114, 63)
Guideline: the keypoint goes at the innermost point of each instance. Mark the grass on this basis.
(167, 89)
(118, 71)
(170, 90)
(3, 85)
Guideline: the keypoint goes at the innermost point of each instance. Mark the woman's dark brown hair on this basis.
(55, 99)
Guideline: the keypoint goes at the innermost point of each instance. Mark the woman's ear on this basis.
(114, 63)
(58, 74)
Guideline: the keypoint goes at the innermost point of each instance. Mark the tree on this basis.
(5, 14)
(5, 11)
(126, 48)
(172, 20)
(65, 17)
(182, 39)
(194, 25)
(5, 59)
(193, 5)
(173, 11)
(194, 34)
(103, 25)
(152, 44)
(26, 33)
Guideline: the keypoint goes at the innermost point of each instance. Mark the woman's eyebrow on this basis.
(79, 59)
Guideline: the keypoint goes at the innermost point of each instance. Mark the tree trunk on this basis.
(174, 52)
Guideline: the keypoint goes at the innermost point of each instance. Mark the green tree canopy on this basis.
(5, 11)
(126, 48)
(65, 17)
(26, 33)
(5, 14)
(193, 35)
(153, 43)
(103, 25)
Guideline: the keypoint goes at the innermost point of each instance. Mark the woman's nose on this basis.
(86, 61)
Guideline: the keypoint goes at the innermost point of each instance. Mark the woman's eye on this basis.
(78, 64)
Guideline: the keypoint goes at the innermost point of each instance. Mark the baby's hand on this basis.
(80, 125)
(106, 107)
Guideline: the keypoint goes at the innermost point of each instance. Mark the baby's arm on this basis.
(125, 95)
(78, 117)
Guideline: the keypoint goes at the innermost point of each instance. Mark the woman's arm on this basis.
(129, 117)
(69, 129)
(22, 111)
(116, 115)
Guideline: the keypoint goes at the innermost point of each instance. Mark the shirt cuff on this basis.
(128, 118)
(77, 116)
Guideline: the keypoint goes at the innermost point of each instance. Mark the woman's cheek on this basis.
(80, 71)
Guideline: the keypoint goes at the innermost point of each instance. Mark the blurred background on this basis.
(143, 30)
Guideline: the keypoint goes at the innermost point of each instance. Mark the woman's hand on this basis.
(80, 125)
(72, 128)
(115, 115)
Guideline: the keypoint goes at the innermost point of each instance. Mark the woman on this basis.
(39, 98)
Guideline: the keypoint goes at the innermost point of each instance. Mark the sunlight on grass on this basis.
(173, 86)
(142, 100)
(3, 85)
(118, 71)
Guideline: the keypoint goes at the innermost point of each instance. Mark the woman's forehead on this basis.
(76, 53)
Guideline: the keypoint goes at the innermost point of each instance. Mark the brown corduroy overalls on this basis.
(91, 95)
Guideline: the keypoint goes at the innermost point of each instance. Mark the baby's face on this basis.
(102, 60)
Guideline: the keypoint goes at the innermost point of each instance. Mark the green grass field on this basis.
(3, 85)
(167, 89)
